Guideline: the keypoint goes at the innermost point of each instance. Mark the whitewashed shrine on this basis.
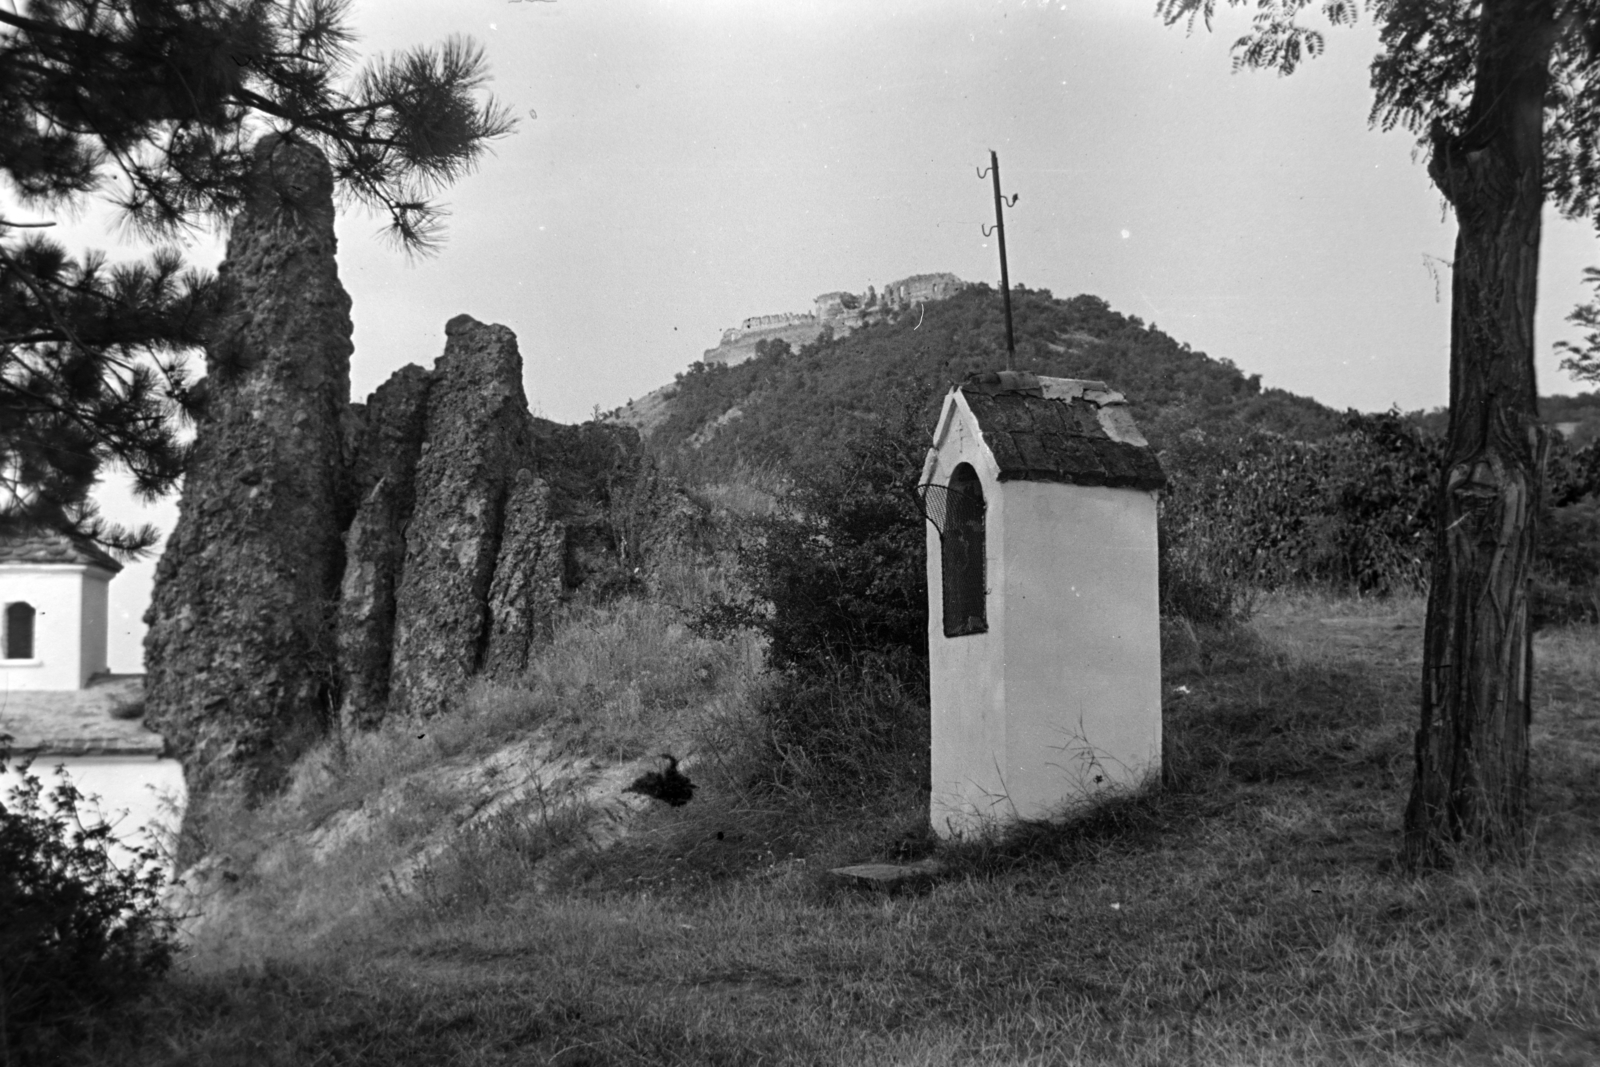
(59, 704)
(1044, 646)
(53, 612)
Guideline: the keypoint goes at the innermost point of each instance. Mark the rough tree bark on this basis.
(1471, 786)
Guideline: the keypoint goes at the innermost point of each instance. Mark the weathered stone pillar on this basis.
(239, 655)
(383, 479)
(478, 435)
(528, 578)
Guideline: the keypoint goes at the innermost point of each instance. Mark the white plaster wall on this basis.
(95, 612)
(54, 592)
(966, 674)
(1082, 641)
(966, 698)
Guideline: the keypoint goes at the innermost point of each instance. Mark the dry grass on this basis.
(618, 681)
(1247, 914)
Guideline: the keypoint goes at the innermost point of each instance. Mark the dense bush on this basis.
(78, 932)
(841, 563)
(1354, 511)
(1566, 573)
(1202, 572)
(1571, 473)
(836, 582)
(846, 729)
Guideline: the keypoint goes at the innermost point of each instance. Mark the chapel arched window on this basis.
(19, 631)
(963, 564)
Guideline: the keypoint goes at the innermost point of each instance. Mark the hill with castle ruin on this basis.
(785, 402)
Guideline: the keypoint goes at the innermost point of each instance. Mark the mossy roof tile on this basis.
(1060, 430)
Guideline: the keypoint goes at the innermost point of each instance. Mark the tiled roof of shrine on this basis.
(1060, 430)
(51, 547)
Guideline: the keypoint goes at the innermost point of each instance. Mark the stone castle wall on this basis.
(743, 345)
(841, 311)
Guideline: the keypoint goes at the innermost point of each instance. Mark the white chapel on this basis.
(53, 612)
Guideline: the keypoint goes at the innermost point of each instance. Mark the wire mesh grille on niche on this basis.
(957, 512)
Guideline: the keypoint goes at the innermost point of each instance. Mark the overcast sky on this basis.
(683, 164)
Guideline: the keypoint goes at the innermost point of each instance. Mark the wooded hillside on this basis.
(790, 403)
(787, 405)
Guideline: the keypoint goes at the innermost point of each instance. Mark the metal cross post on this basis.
(1000, 229)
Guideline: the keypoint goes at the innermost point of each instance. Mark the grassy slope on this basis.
(1246, 915)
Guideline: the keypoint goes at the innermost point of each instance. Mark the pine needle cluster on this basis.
(155, 106)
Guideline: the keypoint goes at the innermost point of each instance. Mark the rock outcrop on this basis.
(478, 435)
(598, 477)
(384, 452)
(529, 578)
(240, 653)
(475, 520)
(364, 560)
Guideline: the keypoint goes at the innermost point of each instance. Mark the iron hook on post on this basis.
(1000, 229)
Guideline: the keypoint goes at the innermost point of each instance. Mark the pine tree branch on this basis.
(39, 295)
(22, 22)
(312, 122)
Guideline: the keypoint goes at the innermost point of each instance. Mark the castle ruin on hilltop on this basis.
(840, 312)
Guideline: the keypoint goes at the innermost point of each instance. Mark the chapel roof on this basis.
(1060, 430)
(48, 546)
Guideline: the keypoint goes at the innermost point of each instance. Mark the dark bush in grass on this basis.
(1354, 511)
(1566, 573)
(845, 729)
(842, 561)
(79, 934)
(838, 586)
(1201, 577)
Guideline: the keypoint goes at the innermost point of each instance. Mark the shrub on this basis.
(78, 933)
(841, 562)
(841, 730)
(1354, 511)
(1569, 474)
(1566, 572)
(837, 584)
(1200, 574)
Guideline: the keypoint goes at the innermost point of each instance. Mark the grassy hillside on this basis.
(479, 889)
(1248, 913)
(482, 888)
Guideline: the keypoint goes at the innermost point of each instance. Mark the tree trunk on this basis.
(1471, 787)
